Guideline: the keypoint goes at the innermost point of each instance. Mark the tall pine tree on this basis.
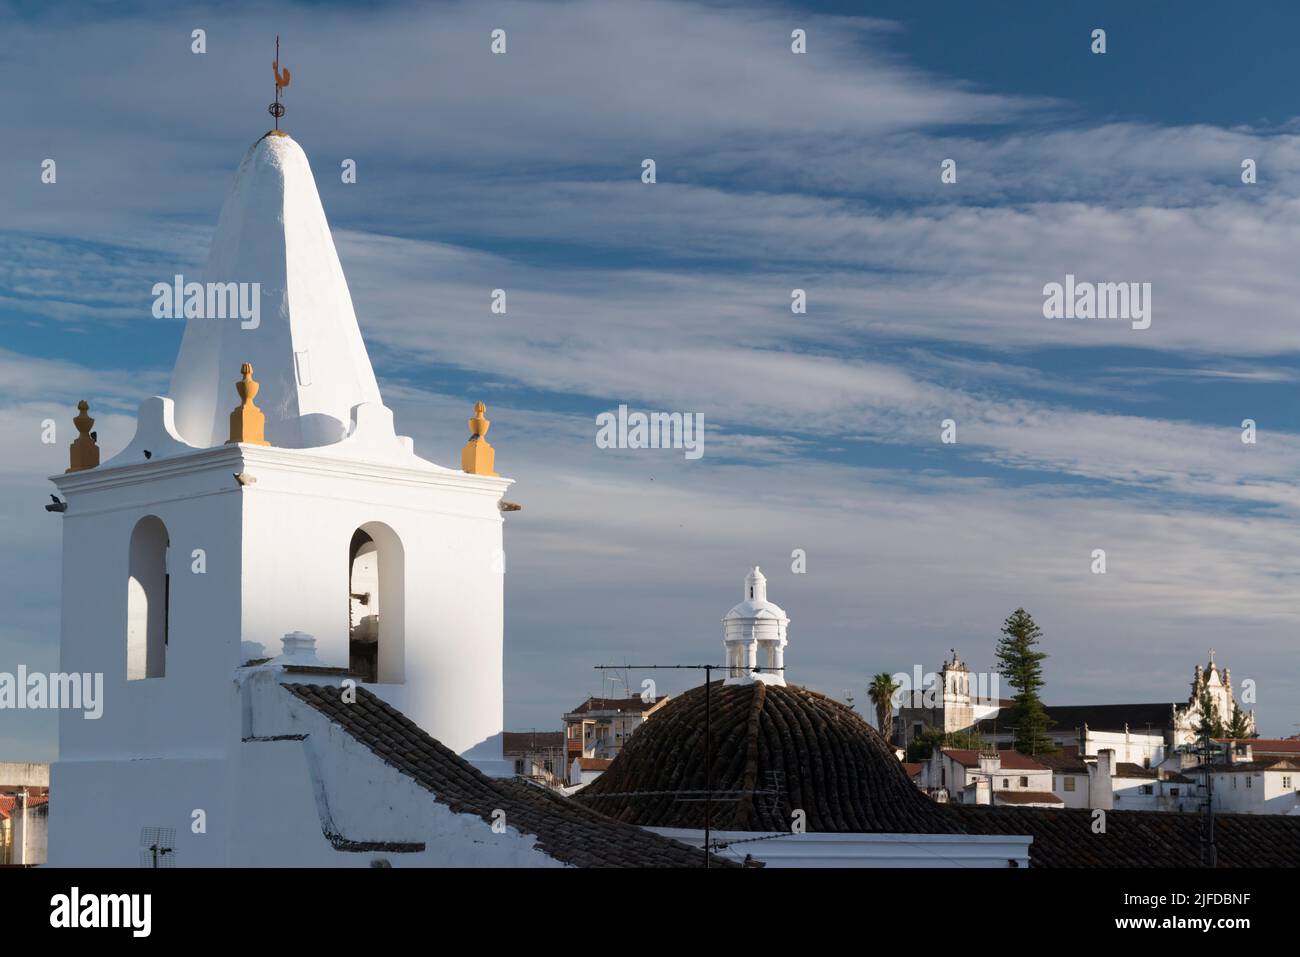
(1240, 725)
(1211, 722)
(1021, 667)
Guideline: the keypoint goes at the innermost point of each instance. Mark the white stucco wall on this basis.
(284, 776)
(30, 834)
(1266, 793)
(298, 521)
(1130, 747)
(198, 501)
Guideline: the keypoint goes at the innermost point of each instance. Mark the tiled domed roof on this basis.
(776, 749)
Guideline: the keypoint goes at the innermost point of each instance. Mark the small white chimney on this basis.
(1101, 789)
(299, 649)
(990, 762)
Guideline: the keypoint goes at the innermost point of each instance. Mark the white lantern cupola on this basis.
(754, 636)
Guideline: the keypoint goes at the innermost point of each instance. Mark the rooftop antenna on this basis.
(1209, 850)
(709, 796)
(276, 109)
(157, 847)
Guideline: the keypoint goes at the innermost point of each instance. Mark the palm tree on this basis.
(881, 691)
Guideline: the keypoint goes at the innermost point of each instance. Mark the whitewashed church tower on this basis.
(288, 504)
(754, 636)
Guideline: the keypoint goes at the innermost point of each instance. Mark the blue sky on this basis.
(775, 171)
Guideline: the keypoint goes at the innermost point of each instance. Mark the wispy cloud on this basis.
(819, 172)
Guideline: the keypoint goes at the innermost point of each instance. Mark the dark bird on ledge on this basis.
(57, 506)
(148, 454)
(94, 436)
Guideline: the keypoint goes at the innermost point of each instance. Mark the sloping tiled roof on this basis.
(1273, 763)
(630, 705)
(1098, 717)
(565, 830)
(34, 799)
(797, 749)
(839, 770)
(520, 741)
(1067, 762)
(1026, 797)
(1267, 745)
(1064, 837)
(1127, 769)
(1011, 760)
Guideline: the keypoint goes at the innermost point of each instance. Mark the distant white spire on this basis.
(307, 348)
(754, 636)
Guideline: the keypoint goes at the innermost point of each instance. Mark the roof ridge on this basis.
(565, 830)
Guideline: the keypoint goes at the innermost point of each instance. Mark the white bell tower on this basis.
(270, 494)
(754, 636)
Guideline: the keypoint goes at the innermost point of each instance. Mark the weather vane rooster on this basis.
(276, 109)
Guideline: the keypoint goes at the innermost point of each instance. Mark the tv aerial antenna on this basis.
(157, 847)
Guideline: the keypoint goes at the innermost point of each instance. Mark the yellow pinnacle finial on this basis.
(247, 422)
(478, 457)
(84, 453)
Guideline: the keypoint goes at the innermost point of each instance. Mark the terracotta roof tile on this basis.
(520, 741)
(1011, 760)
(775, 750)
(1267, 745)
(631, 705)
(1026, 797)
(1067, 762)
(1063, 837)
(814, 753)
(1126, 769)
(565, 830)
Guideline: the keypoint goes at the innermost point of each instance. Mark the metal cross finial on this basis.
(276, 109)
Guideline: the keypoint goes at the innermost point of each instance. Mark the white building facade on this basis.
(187, 556)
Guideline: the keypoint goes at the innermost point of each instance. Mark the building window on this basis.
(1024, 781)
(1286, 780)
(1069, 782)
(1146, 789)
(1234, 782)
(1173, 792)
(1006, 784)
(549, 766)
(519, 765)
(1248, 780)
(376, 605)
(148, 596)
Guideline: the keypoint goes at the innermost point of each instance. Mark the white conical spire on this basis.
(306, 349)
